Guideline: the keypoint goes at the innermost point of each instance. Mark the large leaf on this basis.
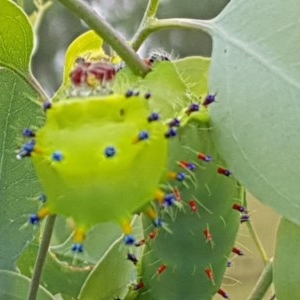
(18, 183)
(57, 277)
(286, 271)
(16, 38)
(14, 286)
(256, 74)
(113, 272)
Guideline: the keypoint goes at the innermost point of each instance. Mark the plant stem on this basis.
(254, 235)
(41, 10)
(263, 283)
(106, 31)
(38, 88)
(41, 257)
(149, 13)
(154, 25)
(258, 243)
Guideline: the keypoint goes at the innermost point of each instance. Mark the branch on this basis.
(106, 31)
(154, 25)
(41, 257)
(149, 13)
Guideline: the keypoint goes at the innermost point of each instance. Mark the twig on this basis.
(41, 257)
(154, 25)
(149, 13)
(105, 30)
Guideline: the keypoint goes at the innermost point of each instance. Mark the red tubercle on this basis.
(223, 294)
(138, 286)
(177, 194)
(187, 165)
(162, 268)
(193, 205)
(224, 172)
(204, 157)
(237, 251)
(239, 208)
(208, 235)
(210, 274)
(153, 234)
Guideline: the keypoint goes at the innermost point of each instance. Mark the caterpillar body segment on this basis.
(94, 161)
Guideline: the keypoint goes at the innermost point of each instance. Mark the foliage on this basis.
(228, 114)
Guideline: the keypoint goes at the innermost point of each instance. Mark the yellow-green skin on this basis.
(87, 185)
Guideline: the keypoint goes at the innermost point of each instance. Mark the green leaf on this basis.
(193, 70)
(16, 38)
(177, 81)
(18, 183)
(57, 277)
(14, 286)
(286, 273)
(98, 240)
(256, 74)
(113, 272)
(110, 276)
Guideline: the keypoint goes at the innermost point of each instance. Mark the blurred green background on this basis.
(58, 30)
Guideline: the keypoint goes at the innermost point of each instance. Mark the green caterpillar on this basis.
(99, 159)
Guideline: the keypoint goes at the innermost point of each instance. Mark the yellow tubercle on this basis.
(160, 196)
(44, 212)
(79, 235)
(172, 175)
(127, 228)
(151, 213)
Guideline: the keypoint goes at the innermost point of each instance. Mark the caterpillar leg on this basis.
(36, 218)
(79, 238)
(129, 239)
(152, 214)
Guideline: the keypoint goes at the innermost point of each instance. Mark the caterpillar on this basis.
(99, 159)
(108, 154)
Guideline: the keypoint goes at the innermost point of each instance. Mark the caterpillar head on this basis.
(100, 158)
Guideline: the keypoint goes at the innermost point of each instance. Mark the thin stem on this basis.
(154, 25)
(41, 257)
(150, 12)
(38, 88)
(258, 243)
(256, 238)
(263, 283)
(106, 31)
(41, 10)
